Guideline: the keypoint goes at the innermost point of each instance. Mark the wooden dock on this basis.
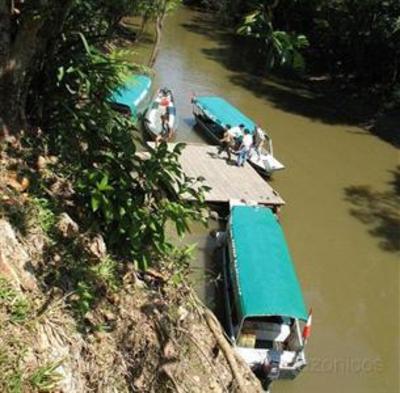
(227, 181)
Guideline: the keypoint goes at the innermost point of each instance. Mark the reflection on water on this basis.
(205, 276)
(380, 211)
(341, 220)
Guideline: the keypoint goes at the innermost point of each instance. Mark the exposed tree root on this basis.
(226, 349)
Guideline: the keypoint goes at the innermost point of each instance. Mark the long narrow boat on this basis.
(132, 97)
(264, 302)
(214, 113)
(162, 106)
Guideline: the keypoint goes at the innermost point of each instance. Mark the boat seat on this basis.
(269, 331)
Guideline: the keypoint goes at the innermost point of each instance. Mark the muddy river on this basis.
(342, 217)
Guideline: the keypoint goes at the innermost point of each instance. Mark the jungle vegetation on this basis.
(352, 41)
(57, 72)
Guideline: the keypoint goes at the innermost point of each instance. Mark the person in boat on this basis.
(259, 139)
(227, 142)
(165, 103)
(245, 147)
(166, 132)
(165, 98)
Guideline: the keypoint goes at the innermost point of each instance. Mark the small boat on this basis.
(160, 118)
(132, 97)
(213, 113)
(264, 305)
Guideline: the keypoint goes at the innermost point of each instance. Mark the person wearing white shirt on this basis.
(237, 133)
(244, 149)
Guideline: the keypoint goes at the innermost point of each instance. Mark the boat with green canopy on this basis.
(132, 97)
(264, 303)
(215, 114)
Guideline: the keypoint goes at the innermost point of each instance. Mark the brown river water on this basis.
(341, 185)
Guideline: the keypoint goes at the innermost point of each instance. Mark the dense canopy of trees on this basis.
(353, 39)
(37, 37)
(57, 72)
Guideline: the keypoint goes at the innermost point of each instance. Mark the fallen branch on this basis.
(226, 349)
(151, 273)
(172, 379)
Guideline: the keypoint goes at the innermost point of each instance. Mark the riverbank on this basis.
(132, 331)
(80, 307)
(86, 319)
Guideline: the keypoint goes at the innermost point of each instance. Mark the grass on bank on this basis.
(17, 326)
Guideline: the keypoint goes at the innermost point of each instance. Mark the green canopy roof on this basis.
(265, 277)
(222, 112)
(134, 90)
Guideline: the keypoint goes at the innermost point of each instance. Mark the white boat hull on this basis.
(152, 117)
(265, 162)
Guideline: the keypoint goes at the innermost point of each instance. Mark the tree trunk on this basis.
(5, 39)
(158, 30)
(143, 25)
(19, 53)
(14, 74)
(156, 47)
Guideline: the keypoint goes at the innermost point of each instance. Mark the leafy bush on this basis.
(42, 211)
(127, 198)
(132, 202)
(281, 48)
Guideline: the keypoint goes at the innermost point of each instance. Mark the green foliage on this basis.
(134, 203)
(151, 9)
(256, 24)
(15, 323)
(105, 273)
(181, 258)
(14, 304)
(281, 49)
(85, 296)
(359, 37)
(46, 378)
(44, 215)
(127, 198)
(348, 38)
(12, 381)
(357, 41)
(86, 278)
(286, 50)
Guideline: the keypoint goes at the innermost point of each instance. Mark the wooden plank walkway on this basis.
(227, 181)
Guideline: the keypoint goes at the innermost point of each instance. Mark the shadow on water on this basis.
(188, 121)
(240, 56)
(380, 211)
(205, 274)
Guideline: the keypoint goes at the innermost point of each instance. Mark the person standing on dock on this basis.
(244, 149)
(227, 142)
(237, 133)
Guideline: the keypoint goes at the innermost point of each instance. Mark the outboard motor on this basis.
(271, 365)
